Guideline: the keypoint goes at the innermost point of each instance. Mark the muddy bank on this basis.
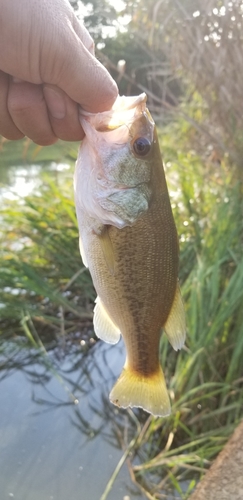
(224, 480)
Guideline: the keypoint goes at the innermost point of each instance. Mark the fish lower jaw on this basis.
(136, 390)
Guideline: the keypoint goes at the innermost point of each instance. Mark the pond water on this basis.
(22, 180)
(58, 430)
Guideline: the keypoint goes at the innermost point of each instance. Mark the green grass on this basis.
(25, 152)
(46, 292)
(41, 273)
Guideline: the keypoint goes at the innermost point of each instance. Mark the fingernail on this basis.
(55, 102)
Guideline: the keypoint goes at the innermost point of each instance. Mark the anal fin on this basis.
(175, 326)
(104, 327)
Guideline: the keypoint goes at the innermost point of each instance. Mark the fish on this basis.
(129, 242)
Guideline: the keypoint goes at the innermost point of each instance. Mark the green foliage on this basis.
(41, 271)
(171, 47)
(25, 152)
(100, 14)
(128, 48)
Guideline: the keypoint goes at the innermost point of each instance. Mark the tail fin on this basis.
(149, 393)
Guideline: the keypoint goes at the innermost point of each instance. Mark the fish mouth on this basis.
(124, 112)
(122, 103)
(127, 118)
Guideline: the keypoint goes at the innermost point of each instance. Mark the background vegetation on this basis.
(187, 56)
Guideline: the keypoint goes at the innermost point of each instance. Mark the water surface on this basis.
(57, 427)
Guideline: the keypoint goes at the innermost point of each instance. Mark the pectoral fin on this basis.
(83, 256)
(104, 327)
(175, 326)
(107, 249)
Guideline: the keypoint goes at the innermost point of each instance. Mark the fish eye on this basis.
(141, 146)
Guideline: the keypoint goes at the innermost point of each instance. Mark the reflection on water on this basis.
(25, 155)
(57, 427)
(25, 180)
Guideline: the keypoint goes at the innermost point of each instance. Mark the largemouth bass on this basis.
(129, 242)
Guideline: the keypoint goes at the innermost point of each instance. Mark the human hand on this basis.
(48, 69)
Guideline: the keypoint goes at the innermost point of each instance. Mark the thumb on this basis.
(82, 76)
